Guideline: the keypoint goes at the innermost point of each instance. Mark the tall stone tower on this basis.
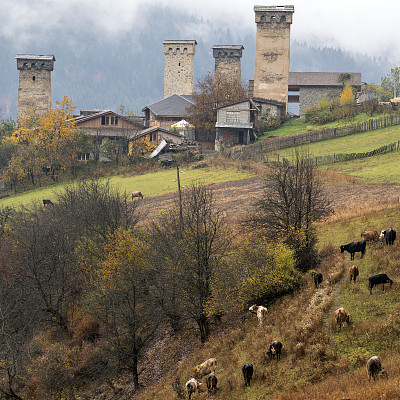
(34, 90)
(179, 66)
(271, 75)
(227, 61)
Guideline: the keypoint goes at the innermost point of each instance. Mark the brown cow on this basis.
(211, 381)
(341, 316)
(370, 236)
(137, 194)
(353, 273)
(205, 368)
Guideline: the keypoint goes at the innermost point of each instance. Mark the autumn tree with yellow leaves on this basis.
(347, 96)
(44, 143)
(125, 297)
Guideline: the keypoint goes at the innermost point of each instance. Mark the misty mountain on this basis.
(99, 71)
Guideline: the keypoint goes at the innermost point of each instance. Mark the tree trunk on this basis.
(204, 328)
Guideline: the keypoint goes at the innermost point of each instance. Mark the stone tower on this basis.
(34, 91)
(271, 75)
(227, 61)
(179, 66)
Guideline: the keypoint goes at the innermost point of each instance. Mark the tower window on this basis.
(179, 64)
(33, 65)
(33, 77)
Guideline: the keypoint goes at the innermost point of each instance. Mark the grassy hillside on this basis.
(318, 361)
(299, 125)
(151, 184)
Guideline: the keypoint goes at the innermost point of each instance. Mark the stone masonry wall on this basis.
(34, 90)
(227, 61)
(179, 67)
(311, 96)
(271, 74)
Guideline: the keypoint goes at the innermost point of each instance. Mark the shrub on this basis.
(267, 125)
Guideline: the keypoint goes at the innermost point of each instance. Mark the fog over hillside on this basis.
(99, 70)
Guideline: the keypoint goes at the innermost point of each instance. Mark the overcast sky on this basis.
(366, 26)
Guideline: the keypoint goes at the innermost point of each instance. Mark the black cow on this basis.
(389, 235)
(317, 279)
(247, 371)
(275, 348)
(47, 202)
(354, 247)
(377, 280)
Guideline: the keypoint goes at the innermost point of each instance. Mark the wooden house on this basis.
(237, 123)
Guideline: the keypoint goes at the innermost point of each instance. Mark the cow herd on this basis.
(341, 316)
(207, 368)
(374, 364)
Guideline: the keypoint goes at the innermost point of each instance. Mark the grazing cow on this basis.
(205, 368)
(275, 349)
(211, 383)
(377, 280)
(191, 386)
(389, 235)
(47, 202)
(354, 247)
(341, 316)
(261, 313)
(353, 273)
(374, 368)
(247, 371)
(370, 236)
(317, 279)
(137, 194)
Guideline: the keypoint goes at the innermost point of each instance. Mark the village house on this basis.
(156, 134)
(237, 123)
(168, 111)
(307, 89)
(106, 124)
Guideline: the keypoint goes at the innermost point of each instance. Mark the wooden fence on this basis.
(257, 151)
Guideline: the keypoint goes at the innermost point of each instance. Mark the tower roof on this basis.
(289, 9)
(228, 46)
(35, 57)
(179, 41)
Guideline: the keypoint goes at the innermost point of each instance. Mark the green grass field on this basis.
(299, 126)
(151, 184)
(382, 169)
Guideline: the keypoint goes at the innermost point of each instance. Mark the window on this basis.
(33, 77)
(114, 120)
(84, 157)
(233, 116)
(105, 120)
(153, 137)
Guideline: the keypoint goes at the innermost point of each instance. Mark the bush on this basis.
(267, 125)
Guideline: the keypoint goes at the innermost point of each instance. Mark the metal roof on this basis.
(35, 57)
(228, 46)
(172, 106)
(321, 78)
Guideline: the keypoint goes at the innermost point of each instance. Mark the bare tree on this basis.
(293, 200)
(192, 240)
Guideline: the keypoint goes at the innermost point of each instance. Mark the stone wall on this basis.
(271, 74)
(310, 96)
(179, 67)
(227, 61)
(34, 91)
